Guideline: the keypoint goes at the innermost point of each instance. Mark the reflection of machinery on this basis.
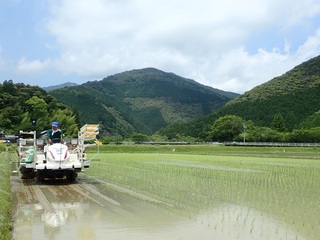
(57, 160)
(62, 211)
(55, 219)
(52, 219)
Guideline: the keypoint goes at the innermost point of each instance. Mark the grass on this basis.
(5, 197)
(210, 149)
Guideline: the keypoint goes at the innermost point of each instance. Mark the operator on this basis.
(55, 135)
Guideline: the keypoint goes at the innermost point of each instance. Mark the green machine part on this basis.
(28, 157)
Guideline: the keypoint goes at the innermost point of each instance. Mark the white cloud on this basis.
(300, 12)
(32, 67)
(237, 70)
(253, 70)
(205, 40)
(310, 47)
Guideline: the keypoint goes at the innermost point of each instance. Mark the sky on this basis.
(230, 45)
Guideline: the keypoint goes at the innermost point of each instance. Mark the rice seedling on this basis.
(283, 190)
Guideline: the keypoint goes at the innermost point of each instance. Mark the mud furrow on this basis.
(79, 191)
(60, 192)
(27, 191)
(93, 190)
(42, 199)
(133, 193)
(19, 191)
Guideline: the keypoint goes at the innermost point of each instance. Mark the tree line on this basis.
(234, 128)
(27, 108)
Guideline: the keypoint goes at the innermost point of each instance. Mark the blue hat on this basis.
(55, 124)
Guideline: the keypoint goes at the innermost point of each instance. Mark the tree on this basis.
(139, 137)
(278, 123)
(248, 126)
(306, 135)
(312, 121)
(263, 134)
(226, 128)
(67, 121)
(20, 103)
(37, 106)
(10, 88)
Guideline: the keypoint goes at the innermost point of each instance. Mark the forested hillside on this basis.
(292, 99)
(295, 95)
(21, 103)
(142, 101)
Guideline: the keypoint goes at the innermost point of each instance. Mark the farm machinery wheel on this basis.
(71, 176)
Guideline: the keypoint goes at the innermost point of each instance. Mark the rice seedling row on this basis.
(283, 189)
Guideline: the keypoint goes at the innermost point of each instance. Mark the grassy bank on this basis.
(5, 197)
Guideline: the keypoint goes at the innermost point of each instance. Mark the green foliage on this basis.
(5, 197)
(293, 107)
(172, 131)
(139, 138)
(295, 95)
(158, 138)
(67, 121)
(20, 103)
(36, 106)
(142, 101)
(312, 121)
(278, 123)
(226, 128)
(311, 135)
(171, 108)
(261, 134)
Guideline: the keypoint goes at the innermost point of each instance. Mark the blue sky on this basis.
(231, 45)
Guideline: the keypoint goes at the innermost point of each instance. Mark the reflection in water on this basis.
(93, 218)
(58, 217)
(35, 222)
(54, 219)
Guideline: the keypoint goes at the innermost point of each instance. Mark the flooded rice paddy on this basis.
(174, 196)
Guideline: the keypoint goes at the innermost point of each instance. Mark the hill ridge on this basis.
(299, 79)
(146, 99)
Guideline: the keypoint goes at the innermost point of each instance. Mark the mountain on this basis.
(143, 100)
(67, 84)
(295, 95)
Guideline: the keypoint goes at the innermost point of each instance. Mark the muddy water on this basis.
(92, 210)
